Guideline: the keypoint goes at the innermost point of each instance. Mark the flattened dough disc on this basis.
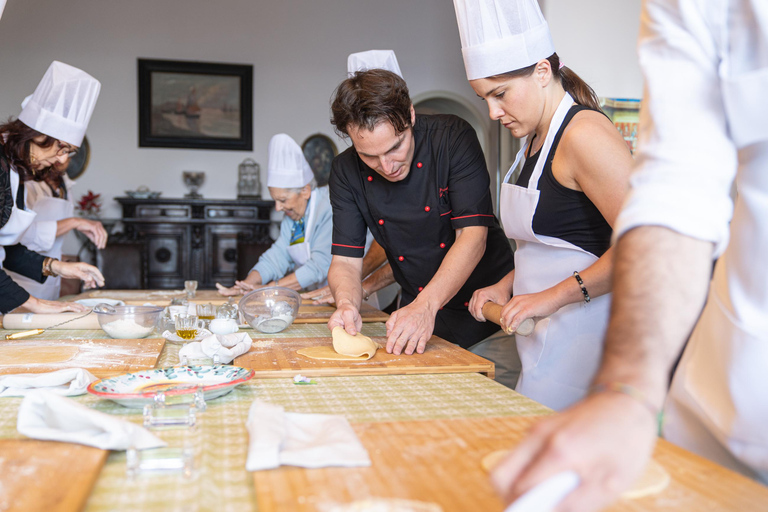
(26, 355)
(653, 480)
(491, 460)
(327, 353)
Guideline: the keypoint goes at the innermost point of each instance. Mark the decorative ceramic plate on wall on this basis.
(138, 388)
(319, 150)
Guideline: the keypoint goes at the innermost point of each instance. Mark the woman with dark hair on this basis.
(49, 129)
(566, 198)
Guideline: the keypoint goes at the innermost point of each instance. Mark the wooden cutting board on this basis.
(47, 476)
(438, 462)
(103, 358)
(277, 357)
(321, 313)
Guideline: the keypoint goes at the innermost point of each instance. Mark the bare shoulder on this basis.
(589, 128)
(589, 142)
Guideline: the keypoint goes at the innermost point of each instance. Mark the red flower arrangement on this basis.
(89, 204)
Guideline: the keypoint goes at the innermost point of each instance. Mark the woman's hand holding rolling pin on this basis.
(528, 307)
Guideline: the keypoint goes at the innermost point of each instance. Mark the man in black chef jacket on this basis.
(420, 184)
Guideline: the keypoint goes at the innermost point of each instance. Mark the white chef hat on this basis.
(62, 104)
(373, 59)
(498, 36)
(2, 7)
(287, 167)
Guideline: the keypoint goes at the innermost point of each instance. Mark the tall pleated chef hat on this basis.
(287, 167)
(373, 59)
(498, 36)
(62, 104)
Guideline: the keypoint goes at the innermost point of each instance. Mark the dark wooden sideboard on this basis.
(199, 239)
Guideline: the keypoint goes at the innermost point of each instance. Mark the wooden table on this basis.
(425, 433)
(438, 463)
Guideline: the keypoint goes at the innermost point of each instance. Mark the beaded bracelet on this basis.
(626, 389)
(583, 288)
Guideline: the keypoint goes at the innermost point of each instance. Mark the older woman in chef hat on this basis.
(49, 129)
(300, 257)
(575, 169)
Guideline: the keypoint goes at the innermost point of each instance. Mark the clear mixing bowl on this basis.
(270, 310)
(128, 322)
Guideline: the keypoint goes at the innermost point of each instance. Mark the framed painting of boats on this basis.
(198, 105)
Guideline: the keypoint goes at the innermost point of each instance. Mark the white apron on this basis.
(718, 404)
(300, 253)
(18, 222)
(560, 358)
(48, 209)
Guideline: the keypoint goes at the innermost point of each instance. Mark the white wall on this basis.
(298, 49)
(597, 39)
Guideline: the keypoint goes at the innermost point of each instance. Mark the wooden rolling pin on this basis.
(47, 320)
(492, 312)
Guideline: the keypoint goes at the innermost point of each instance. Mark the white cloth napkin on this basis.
(46, 415)
(279, 438)
(227, 346)
(67, 382)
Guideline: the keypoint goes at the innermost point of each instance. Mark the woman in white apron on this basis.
(560, 210)
(31, 145)
(300, 257)
(53, 204)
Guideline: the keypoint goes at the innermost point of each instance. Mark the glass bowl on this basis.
(270, 310)
(128, 322)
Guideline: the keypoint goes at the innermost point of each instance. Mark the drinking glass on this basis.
(206, 312)
(190, 287)
(187, 326)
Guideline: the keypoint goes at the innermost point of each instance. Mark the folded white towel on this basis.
(227, 346)
(307, 440)
(67, 382)
(46, 415)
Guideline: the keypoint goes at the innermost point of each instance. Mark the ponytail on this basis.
(572, 83)
(579, 90)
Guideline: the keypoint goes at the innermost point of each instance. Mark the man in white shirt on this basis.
(702, 125)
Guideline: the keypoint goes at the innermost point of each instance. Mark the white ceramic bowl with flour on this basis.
(128, 322)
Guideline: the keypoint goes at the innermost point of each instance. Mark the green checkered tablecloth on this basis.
(220, 439)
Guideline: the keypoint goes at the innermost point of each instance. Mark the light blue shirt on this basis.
(275, 263)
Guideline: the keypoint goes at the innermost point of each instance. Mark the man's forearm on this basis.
(344, 278)
(374, 258)
(660, 280)
(379, 279)
(457, 266)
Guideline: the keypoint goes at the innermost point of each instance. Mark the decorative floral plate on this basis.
(138, 388)
(174, 338)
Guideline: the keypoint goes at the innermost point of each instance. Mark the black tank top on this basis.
(562, 212)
